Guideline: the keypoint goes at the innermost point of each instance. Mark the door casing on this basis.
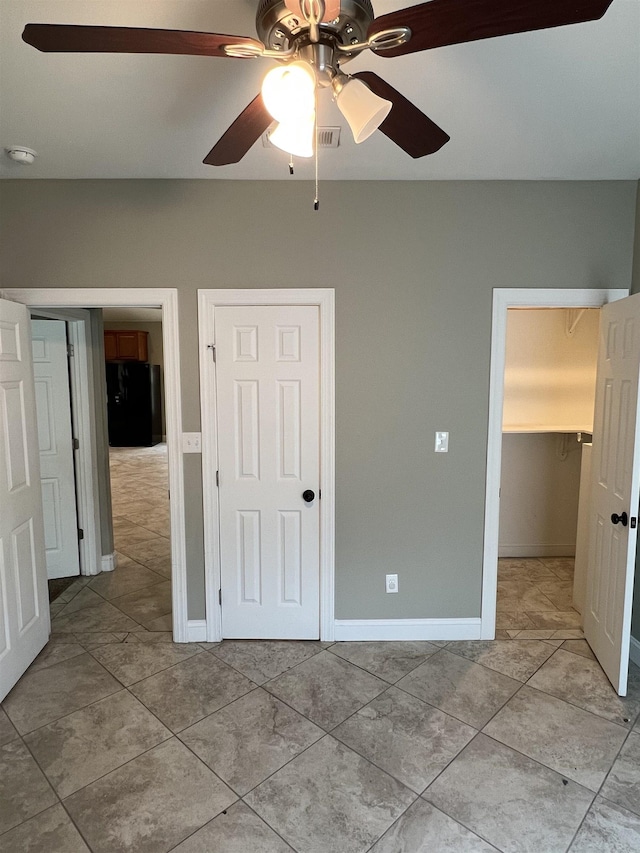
(167, 300)
(324, 299)
(503, 299)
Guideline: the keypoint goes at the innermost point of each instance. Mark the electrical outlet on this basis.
(391, 584)
(191, 442)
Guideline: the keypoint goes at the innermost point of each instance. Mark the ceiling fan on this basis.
(312, 40)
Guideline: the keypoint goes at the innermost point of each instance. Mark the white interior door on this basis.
(24, 601)
(55, 440)
(615, 483)
(268, 393)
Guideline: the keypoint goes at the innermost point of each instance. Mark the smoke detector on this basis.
(20, 154)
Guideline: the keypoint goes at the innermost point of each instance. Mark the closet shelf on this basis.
(535, 428)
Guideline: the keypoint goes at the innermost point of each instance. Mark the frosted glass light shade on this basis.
(288, 91)
(295, 137)
(363, 109)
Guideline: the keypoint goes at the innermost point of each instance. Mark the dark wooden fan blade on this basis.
(405, 125)
(67, 37)
(442, 22)
(238, 139)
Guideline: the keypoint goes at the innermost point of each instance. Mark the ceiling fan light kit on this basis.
(318, 37)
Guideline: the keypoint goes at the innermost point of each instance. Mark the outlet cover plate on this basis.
(391, 583)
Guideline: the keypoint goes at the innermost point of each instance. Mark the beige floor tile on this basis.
(574, 743)
(404, 736)
(236, 830)
(608, 827)
(518, 659)
(425, 829)
(191, 690)
(326, 689)
(150, 804)
(262, 660)
(24, 791)
(83, 746)
(507, 812)
(329, 798)
(50, 831)
(46, 695)
(250, 739)
(389, 660)
(623, 783)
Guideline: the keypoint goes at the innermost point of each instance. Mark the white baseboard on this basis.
(109, 562)
(537, 550)
(196, 631)
(634, 651)
(406, 629)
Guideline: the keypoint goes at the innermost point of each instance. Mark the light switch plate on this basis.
(442, 442)
(192, 442)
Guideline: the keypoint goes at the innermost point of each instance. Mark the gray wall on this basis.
(155, 354)
(414, 265)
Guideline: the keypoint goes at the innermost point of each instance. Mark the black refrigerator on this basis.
(133, 404)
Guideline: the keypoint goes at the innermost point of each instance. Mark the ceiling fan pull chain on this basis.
(291, 164)
(316, 201)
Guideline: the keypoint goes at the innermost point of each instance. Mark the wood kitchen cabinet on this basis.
(125, 345)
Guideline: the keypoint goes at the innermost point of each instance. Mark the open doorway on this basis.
(549, 394)
(140, 585)
(172, 561)
(503, 300)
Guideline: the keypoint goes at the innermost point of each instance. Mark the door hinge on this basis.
(213, 350)
(76, 443)
(633, 522)
(70, 351)
(219, 596)
(80, 533)
(218, 479)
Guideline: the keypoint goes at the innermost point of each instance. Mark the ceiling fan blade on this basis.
(443, 22)
(67, 37)
(405, 125)
(241, 135)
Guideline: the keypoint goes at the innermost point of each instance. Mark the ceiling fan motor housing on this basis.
(279, 28)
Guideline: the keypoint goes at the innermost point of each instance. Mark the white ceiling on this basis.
(554, 104)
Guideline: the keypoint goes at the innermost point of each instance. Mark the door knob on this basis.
(622, 519)
(308, 496)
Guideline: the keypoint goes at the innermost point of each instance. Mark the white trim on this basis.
(503, 299)
(324, 298)
(359, 630)
(167, 299)
(196, 630)
(109, 562)
(537, 550)
(634, 650)
(83, 396)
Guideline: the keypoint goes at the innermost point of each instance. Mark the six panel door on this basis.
(55, 441)
(24, 602)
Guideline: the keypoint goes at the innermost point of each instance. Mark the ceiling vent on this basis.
(328, 137)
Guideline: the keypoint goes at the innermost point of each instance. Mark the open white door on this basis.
(615, 490)
(24, 601)
(55, 441)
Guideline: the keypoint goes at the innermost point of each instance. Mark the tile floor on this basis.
(535, 599)
(118, 740)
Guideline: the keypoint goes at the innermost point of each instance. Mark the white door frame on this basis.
(324, 299)
(503, 299)
(83, 421)
(142, 297)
